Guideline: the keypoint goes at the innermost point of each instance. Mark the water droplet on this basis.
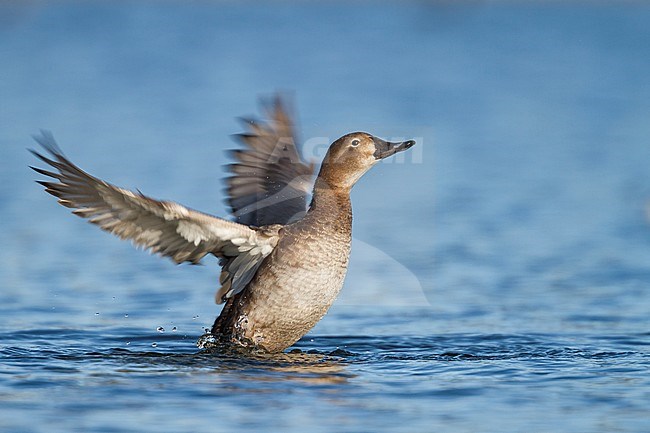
(160, 329)
(174, 329)
(154, 344)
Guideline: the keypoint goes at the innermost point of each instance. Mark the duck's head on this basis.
(349, 157)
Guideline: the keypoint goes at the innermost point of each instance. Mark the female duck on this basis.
(282, 267)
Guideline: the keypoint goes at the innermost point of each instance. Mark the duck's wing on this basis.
(269, 183)
(163, 227)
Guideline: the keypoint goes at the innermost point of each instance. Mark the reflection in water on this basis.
(234, 368)
(296, 365)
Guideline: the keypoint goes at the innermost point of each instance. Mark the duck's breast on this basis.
(298, 282)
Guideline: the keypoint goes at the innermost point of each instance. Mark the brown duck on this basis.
(282, 264)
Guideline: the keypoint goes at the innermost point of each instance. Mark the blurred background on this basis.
(521, 211)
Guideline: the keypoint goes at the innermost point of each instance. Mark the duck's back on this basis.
(297, 283)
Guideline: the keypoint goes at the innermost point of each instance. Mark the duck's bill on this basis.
(384, 149)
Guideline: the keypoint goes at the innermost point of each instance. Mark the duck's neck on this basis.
(331, 206)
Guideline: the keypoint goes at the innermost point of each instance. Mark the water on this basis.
(500, 275)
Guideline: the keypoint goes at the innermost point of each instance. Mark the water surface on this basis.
(500, 275)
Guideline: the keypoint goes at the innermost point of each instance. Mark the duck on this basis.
(283, 262)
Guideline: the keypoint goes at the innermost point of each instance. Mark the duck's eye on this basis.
(355, 142)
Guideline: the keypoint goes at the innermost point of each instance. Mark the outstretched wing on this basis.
(269, 182)
(163, 227)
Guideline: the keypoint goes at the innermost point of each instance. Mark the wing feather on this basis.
(269, 183)
(162, 227)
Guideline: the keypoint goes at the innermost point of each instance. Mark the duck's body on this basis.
(309, 263)
(282, 267)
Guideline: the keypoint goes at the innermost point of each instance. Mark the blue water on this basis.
(500, 275)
